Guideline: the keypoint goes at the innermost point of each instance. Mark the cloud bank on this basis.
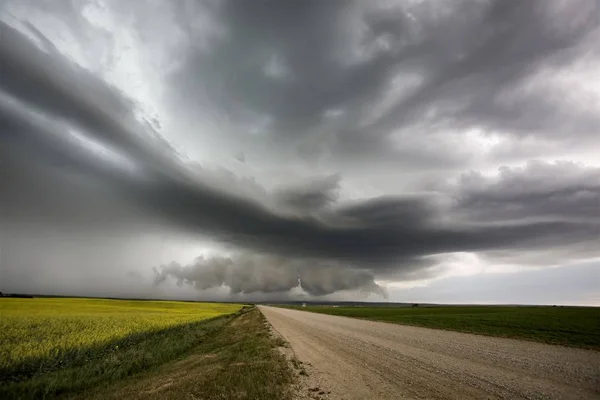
(322, 159)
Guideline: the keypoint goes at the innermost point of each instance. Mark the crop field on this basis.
(569, 326)
(55, 344)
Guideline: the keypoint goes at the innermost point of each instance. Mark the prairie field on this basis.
(59, 343)
(568, 326)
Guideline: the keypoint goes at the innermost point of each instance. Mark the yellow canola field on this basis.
(32, 330)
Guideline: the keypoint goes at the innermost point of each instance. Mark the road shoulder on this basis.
(238, 361)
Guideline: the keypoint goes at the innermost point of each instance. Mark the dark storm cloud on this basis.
(52, 192)
(324, 84)
(256, 32)
(248, 274)
(314, 194)
(563, 191)
(375, 230)
(474, 62)
(50, 83)
(482, 81)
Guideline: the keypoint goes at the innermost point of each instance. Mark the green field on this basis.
(569, 326)
(50, 346)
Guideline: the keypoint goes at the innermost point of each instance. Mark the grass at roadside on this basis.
(569, 326)
(237, 361)
(51, 347)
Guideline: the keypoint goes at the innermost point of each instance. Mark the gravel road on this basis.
(348, 359)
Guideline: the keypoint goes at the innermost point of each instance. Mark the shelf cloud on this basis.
(335, 158)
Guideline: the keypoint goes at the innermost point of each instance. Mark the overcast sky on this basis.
(418, 151)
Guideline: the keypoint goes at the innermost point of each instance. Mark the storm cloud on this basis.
(249, 274)
(319, 159)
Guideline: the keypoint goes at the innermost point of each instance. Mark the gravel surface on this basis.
(349, 358)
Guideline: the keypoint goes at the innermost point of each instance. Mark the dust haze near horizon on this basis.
(341, 150)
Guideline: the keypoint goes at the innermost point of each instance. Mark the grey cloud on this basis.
(560, 191)
(575, 284)
(230, 79)
(482, 81)
(475, 63)
(315, 194)
(57, 87)
(386, 211)
(320, 280)
(247, 274)
(241, 157)
(68, 199)
(466, 61)
(375, 231)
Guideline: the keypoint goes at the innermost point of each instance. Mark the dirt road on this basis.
(355, 359)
